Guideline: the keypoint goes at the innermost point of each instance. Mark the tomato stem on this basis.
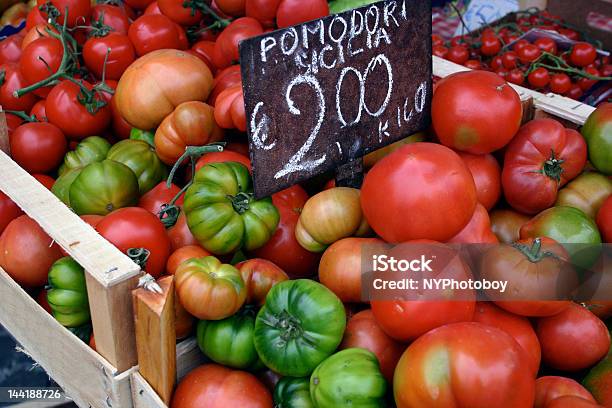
(240, 201)
(534, 252)
(552, 167)
(201, 5)
(139, 256)
(561, 65)
(23, 115)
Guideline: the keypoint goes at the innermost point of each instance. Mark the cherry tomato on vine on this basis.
(502, 72)
(571, 34)
(39, 111)
(560, 83)
(516, 76)
(293, 12)
(458, 54)
(180, 12)
(436, 40)
(606, 70)
(11, 79)
(457, 40)
(113, 16)
(79, 11)
(152, 32)
(38, 147)
(497, 62)
(120, 56)
(519, 45)
(546, 44)
(582, 54)
(528, 53)
(473, 64)
(538, 78)
(490, 45)
(263, 11)
(586, 83)
(439, 51)
(509, 59)
(575, 92)
(39, 60)
(10, 49)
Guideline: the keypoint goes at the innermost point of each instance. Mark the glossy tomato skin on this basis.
(478, 229)
(139, 4)
(79, 11)
(183, 254)
(542, 157)
(8, 211)
(599, 381)
(135, 227)
(141, 158)
(39, 111)
(486, 126)
(292, 392)
(263, 11)
(294, 311)
(460, 365)
(66, 112)
(283, 249)
(67, 295)
(570, 401)
(14, 80)
(161, 194)
(506, 224)
(292, 12)
(538, 78)
(179, 13)
(152, 32)
(215, 386)
(224, 156)
(582, 54)
(180, 235)
(560, 83)
(234, 8)
(112, 16)
(121, 55)
(89, 150)
(604, 220)
(27, 252)
(10, 49)
(229, 109)
(573, 339)
(38, 147)
(34, 70)
(429, 210)
(226, 46)
(45, 180)
(597, 132)
(487, 177)
(362, 331)
(205, 50)
(586, 192)
(551, 387)
(518, 327)
(259, 276)
(224, 79)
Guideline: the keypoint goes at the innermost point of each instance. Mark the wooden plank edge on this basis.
(143, 395)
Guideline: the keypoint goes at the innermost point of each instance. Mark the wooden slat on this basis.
(85, 376)
(553, 104)
(188, 357)
(4, 139)
(143, 395)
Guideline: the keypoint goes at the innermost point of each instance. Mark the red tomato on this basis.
(8, 211)
(180, 235)
(490, 45)
(38, 147)
(153, 8)
(440, 51)
(205, 51)
(519, 45)
(225, 79)
(180, 13)
(39, 60)
(134, 227)
(152, 32)
(487, 177)
(458, 54)
(259, 275)
(234, 8)
(41, 298)
(541, 158)
(604, 220)
(229, 109)
(39, 111)
(473, 64)
(293, 12)
(585, 83)
(11, 79)
(575, 92)
(460, 365)
(509, 59)
(571, 34)
(436, 40)
(528, 53)
(497, 62)
(45, 180)
(215, 386)
(34, 18)
(570, 401)
(362, 331)
(120, 126)
(476, 112)
(433, 208)
(112, 16)
(224, 156)
(516, 76)
(516, 326)
(79, 11)
(263, 11)
(560, 83)
(27, 252)
(546, 44)
(226, 46)
(573, 339)
(477, 231)
(159, 195)
(183, 254)
(538, 78)
(10, 49)
(283, 248)
(582, 54)
(138, 4)
(120, 56)
(549, 388)
(66, 111)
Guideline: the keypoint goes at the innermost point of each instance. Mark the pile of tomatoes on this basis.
(540, 64)
(133, 116)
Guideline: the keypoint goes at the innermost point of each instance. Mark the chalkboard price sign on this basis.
(327, 92)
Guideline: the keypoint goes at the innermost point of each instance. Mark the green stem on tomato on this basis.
(22, 115)
(200, 5)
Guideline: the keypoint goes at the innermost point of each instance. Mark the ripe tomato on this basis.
(362, 331)
(516, 326)
(229, 109)
(571, 34)
(573, 339)
(516, 76)
(152, 32)
(546, 44)
(582, 54)
(40, 59)
(542, 157)
(8, 211)
(440, 51)
(477, 231)
(79, 11)
(490, 45)
(429, 210)
(585, 83)
(120, 56)
(538, 78)
(519, 45)
(458, 54)
(10, 49)
(183, 254)
(112, 16)
(283, 248)
(259, 275)
(34, 18)
(121, 128)
(27, 252)
(179, 12)
(575, 92)
(487, 177)
(39, 31)
(11, 79)
(549, 388)
(226, 46)
(38, 147)
(225, 79)
(293, 12)
(234, 8)
(134, 227)
(604, 220)
(570, 401)
(39, 111)
(180, 235)
(473, 64)
(491, 121)
(153, 8)
(205, 50)
(224, 156)
(461, 365)
(497, 62)
(509, 59)
(216, 386)
(340, 267)
(64, 110)
(138, 4)
(560, 83)
(506, 224)
(153, 200)
(155, 84)
(528, 53)
(263, 11)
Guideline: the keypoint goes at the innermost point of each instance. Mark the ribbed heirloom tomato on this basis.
(259, 275)
(549, 388)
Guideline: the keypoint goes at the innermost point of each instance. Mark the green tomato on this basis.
(587, 192)
(89, 150)
(570, 227)
(349, 378)
(222, 213)
(142, 159)
(300, 325)
(61, 187)
(144, 135)
(103, 187)
(67, 293)
(292, 392)
(597, 132)
(230, 341)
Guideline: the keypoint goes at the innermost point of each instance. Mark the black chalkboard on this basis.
(324, 93)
